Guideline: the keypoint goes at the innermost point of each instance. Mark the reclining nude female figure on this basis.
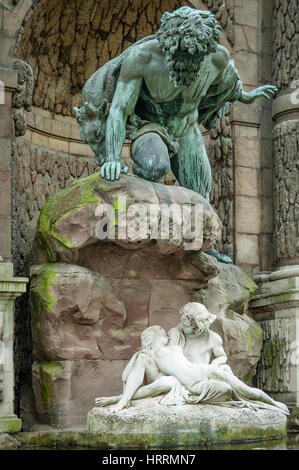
(206, 381)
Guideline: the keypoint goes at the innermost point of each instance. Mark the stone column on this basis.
(285, 113)
(286, 178)
(8, 83)
(10, 288)
(276, 303)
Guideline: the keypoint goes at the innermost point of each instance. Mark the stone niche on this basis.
(91, 298)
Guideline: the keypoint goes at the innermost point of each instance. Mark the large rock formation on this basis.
(91, 298)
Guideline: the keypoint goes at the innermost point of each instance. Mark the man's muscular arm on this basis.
(221, 60)
(123, 104)
(266, 90)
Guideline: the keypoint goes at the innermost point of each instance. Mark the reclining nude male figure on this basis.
(163, 361)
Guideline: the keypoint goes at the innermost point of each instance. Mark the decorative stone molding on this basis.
(10, 288)
(285, 113)
(286, 42)
(274, 371)
(220, 154)
(22, 97)
(286, 105)
(286, 198)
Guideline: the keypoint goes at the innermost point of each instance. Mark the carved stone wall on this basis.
(220, 152)
(285, 42)
(224, 11)
(66, 41)
(273, 370)
(286, 184)
(38, 174)
(22, 97)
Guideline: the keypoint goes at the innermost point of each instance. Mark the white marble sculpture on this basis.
(166, 361)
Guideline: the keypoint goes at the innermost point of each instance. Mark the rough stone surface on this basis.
(224, 11)
(68, 221)
(8, 442)
(154, 425)
(65, 390)
(76, 315)
(274, 374)
(286, 196)
(22, 97)
(38, 174)
(220, 153)
(286, 42)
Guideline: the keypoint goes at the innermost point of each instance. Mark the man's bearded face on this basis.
(187, 36)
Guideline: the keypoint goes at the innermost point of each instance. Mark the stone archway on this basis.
(66, 41)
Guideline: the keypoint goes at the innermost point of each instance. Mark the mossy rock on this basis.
(67, 221)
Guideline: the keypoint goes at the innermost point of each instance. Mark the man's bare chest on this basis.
(198, 349)
(162, 90)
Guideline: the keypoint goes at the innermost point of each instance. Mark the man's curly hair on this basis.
(193, 32)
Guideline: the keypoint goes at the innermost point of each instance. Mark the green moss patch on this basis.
(47, 374)
(41, 298)
(75, 196)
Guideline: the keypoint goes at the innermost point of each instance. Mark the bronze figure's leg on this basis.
(150, 156)
(191, 165)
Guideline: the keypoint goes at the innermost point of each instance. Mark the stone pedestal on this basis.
(10, 288)
(275, 306)
(149, 424)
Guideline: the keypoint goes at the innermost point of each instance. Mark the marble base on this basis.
(147, 424)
